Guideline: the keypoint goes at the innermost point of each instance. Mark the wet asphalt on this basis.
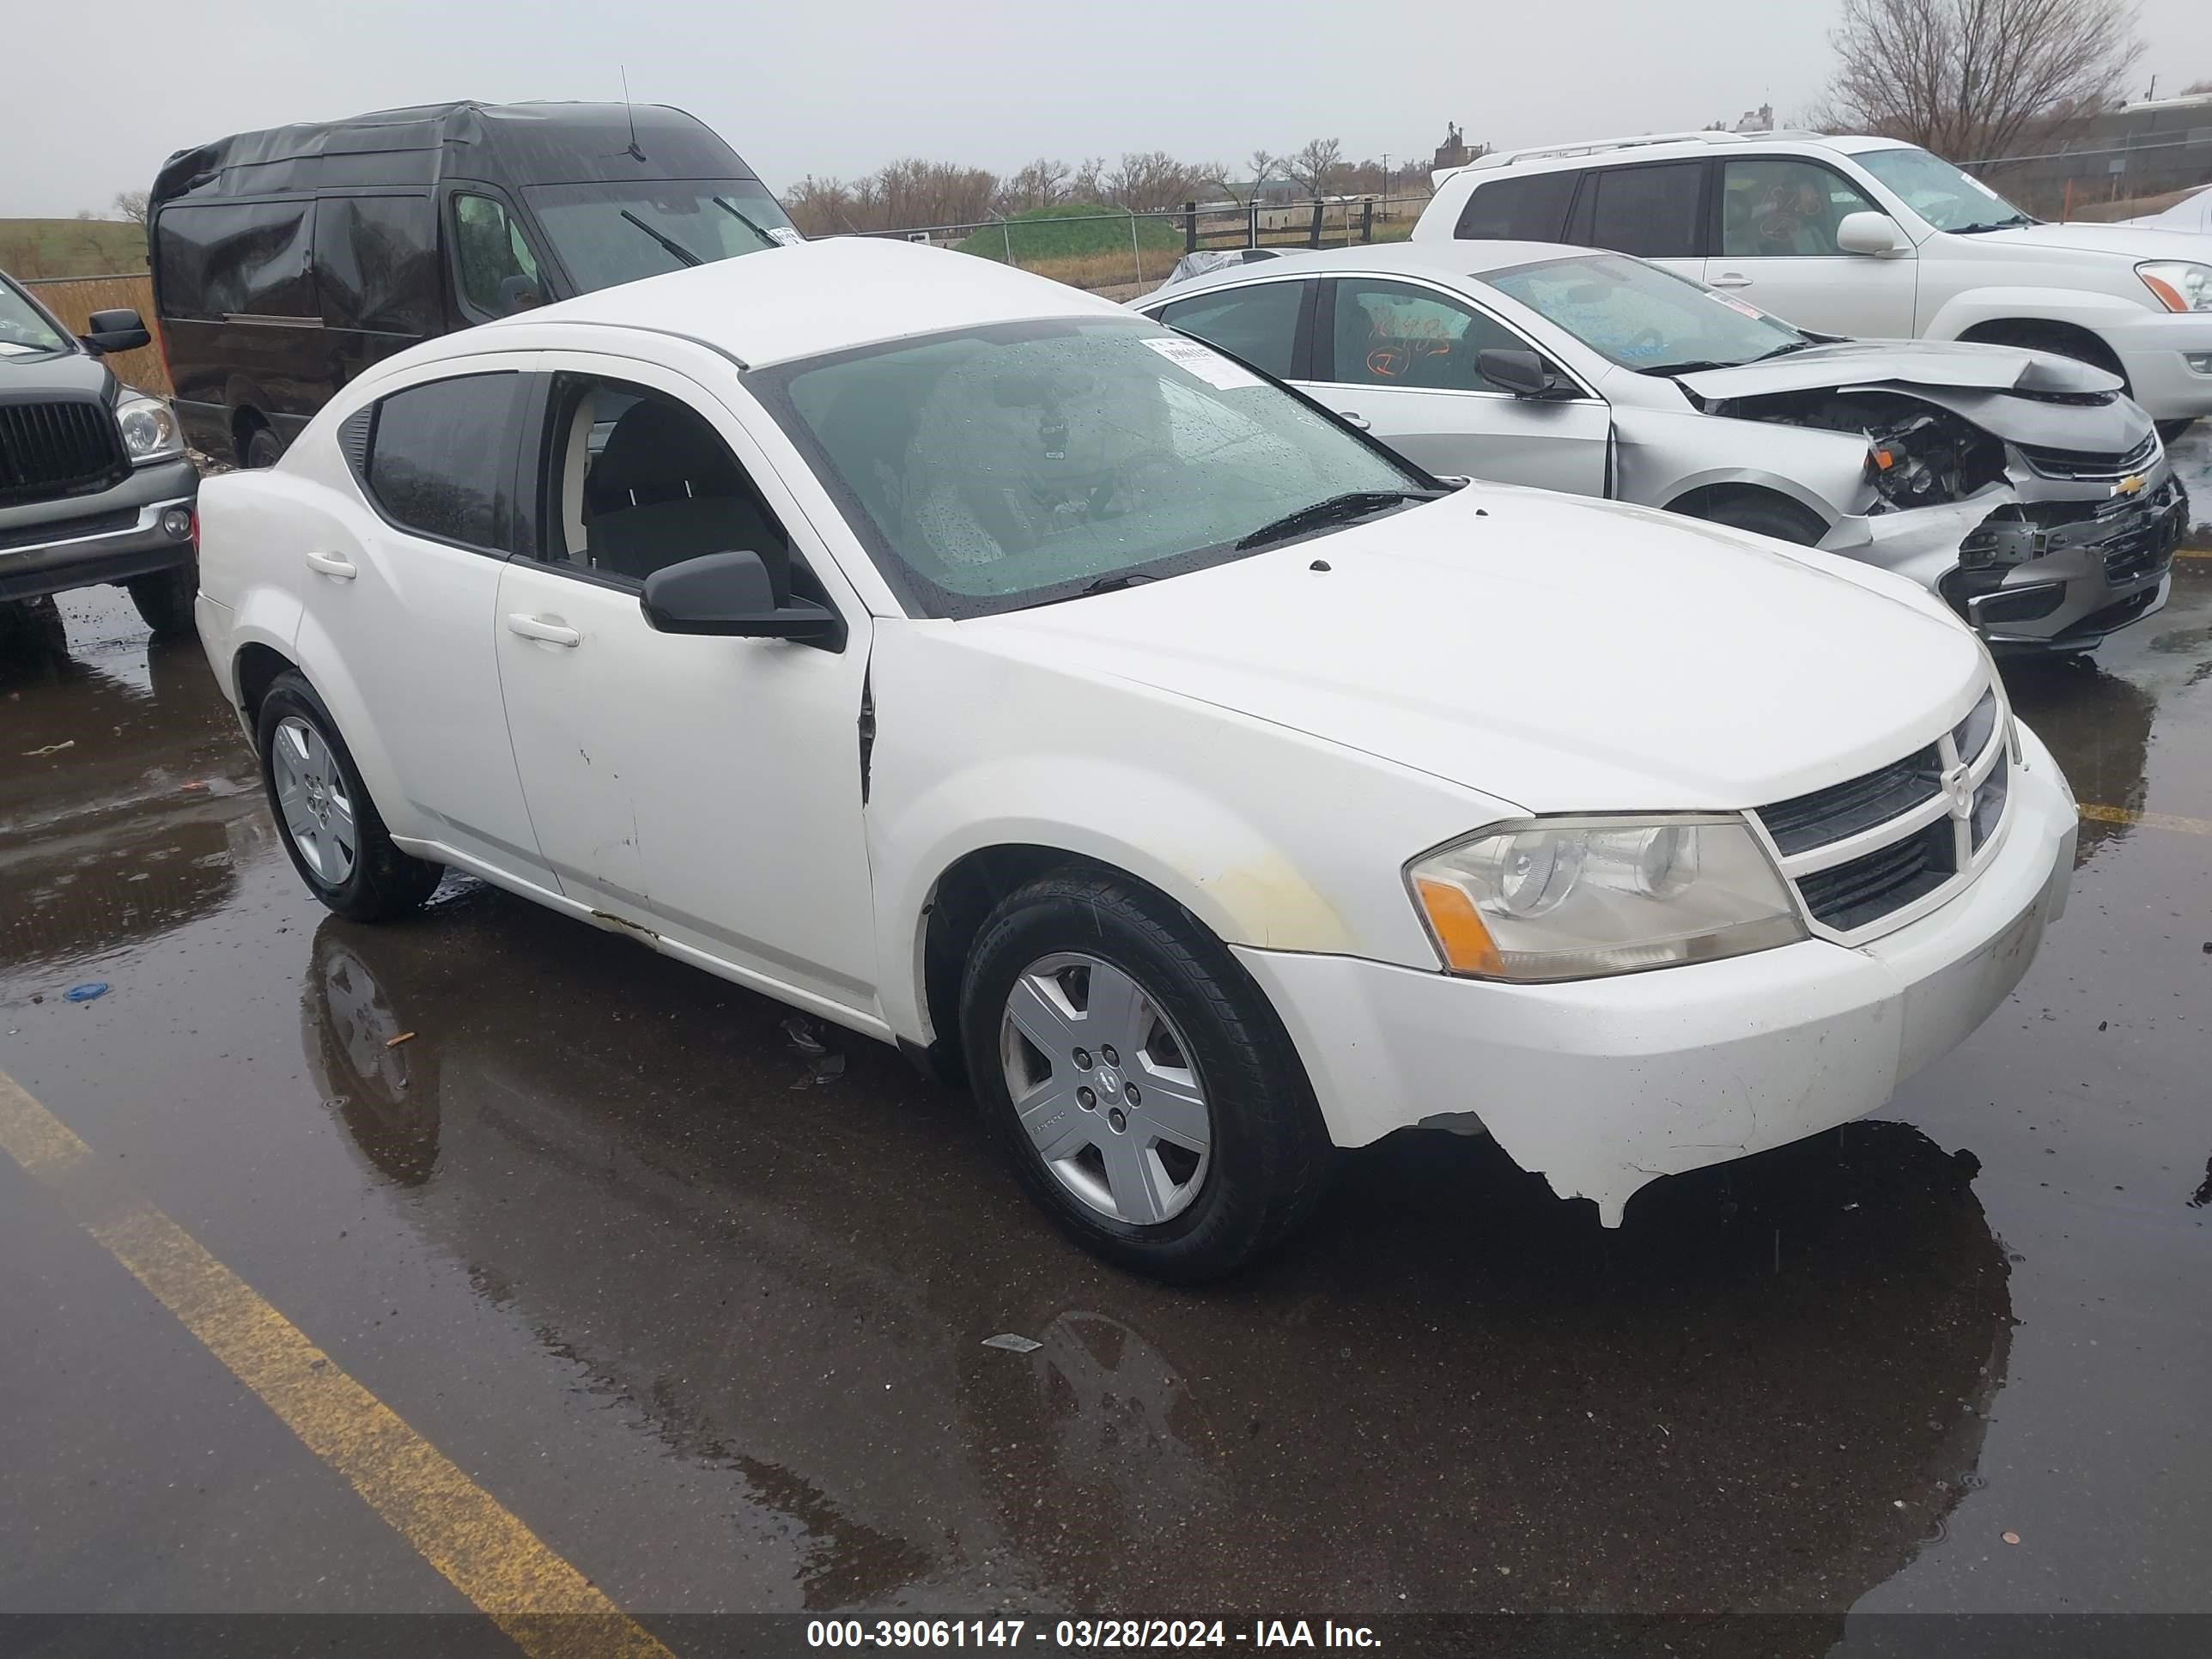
(707, 1309)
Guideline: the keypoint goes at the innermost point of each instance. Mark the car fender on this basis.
(2081, 307)
(1214, 809)
(1661, 456)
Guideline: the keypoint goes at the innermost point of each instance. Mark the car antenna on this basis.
(633, 152)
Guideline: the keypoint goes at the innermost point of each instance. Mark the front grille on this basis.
(2088, 465)
(1868, 887)
(52, 449)
(96, 524)
(1805, 822)
(1927, 815)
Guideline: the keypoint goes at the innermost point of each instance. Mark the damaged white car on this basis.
(2024, 488)
(968, 662)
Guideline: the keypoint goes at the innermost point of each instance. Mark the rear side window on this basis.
(376, 264)
(1527, 210)
(237, 258)
(1650, 211)
(441, 458)
(1258, 324)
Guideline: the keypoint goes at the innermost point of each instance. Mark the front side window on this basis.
(1533, 208)
(441, 455)
(639, 481)
(1650, 211)
(1258, 324)
(493, 268)
(1780, 208)
(610, 234)
(1011, 465)
(23, 327)
(1940, 193)
(1392, 334)
(1644, 319)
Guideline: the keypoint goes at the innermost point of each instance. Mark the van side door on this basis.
(376, 277)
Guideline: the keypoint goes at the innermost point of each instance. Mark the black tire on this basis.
(383, 882)
(1270, 1155)
(2170, 431)
(165, 599)
(261, 449)
(33, 630)
(1766, 515)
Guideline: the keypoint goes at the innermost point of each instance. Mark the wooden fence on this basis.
(74, 299)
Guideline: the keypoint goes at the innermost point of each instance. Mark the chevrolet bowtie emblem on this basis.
(2130, 485)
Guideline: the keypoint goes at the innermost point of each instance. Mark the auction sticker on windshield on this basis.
(1209, 365)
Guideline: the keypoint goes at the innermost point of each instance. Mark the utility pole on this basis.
(1386, 184)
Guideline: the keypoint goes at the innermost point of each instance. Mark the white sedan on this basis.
(990, 670)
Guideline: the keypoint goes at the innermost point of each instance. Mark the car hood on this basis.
(2123, 241)
(1558, 654)
(63, 373)
(1952, 363)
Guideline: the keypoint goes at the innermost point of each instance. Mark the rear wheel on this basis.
(1149, 1098)
(165, 599)
(332, 828)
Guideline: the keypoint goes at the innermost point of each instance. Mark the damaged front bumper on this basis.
(1604, 1085)
(2032, 576)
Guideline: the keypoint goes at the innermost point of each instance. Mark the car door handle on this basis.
(531, 628)
(1356, 418)
(1729, 279)
(331, 565)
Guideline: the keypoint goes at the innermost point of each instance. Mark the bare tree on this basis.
(1976, 79)
(1088, 182)
(1315, 166)
(1040, 184)
(133, 206)
(820, 207)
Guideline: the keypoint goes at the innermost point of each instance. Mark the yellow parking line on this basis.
(2193, 552)
(2148, 820)
(545, 1605)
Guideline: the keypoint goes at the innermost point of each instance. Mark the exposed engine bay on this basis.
(1917, 454)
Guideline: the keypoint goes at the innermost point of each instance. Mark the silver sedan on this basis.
(2025, 489)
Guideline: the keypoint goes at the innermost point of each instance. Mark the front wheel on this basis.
(332, 828)
(1764, 515)
(1148, 1094)
(165, 599)
(2171, 432)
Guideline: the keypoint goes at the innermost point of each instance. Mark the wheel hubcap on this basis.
(1106, 1088)
(311, 799)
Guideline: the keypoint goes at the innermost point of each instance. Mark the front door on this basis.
(1400, 359)
(1777, 250)
(705, 791)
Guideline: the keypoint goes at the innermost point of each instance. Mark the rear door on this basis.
(1268, 325)
(1654, 210)
(376, 277)
(1777, 248)
(1400, 358)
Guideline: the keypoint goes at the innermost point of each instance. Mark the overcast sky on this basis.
(96, 97)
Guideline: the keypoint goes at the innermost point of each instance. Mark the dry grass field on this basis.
(33, 248)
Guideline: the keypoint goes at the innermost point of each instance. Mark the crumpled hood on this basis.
(1558, 654)
(1954, 363)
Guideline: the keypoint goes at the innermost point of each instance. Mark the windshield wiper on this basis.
(1693, 367)
(1997, 224)
(1336, 509)
(669, 242)
(767, 241)
(1782, 350)
(1127, 579)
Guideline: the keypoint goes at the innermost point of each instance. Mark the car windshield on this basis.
(610, 234)
(1940, 193)
(23, 327)
(1015, 464)
(1643, 317)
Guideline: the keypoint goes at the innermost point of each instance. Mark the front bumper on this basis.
(2156, 354)
(1604, 1085)
(2059, 576)
(50, 547)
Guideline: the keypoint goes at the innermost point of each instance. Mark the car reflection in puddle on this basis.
(1456, 1393)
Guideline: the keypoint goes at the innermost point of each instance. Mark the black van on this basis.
(285, 262)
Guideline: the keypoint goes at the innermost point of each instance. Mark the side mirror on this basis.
(115, 330)
(731, 594)
(517, 294)
(1523, 373)
(1875, 234)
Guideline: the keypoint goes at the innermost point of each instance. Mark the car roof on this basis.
(817, 297)
(1436, 258)
(1658, 147)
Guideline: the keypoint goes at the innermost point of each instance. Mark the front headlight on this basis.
(148, 427)
(2179, 284)
(1573, 898)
